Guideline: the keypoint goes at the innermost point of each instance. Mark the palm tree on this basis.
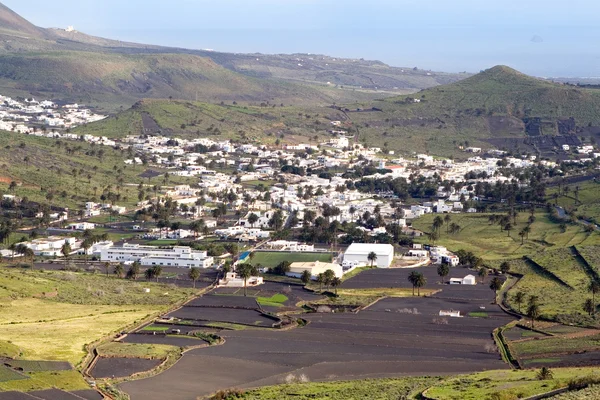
(252, 219)
(194, 275)
(438, 222)
(522, 234)
(66, 252)
(594, 287)
(519, 298)
(149, 273)
(495, 285)
(335, 282)
(85, 245)
(433, 236)
(134, 270)
(505, 267)
(119, 270)
(29, 255)
(157, 271)
(305, 277)
(329, 275)
(544, 374)
(245, 271)
(420, 282)
(447, 219)
(482, 273)
(589, 307)
(372, 257)
(107, 267)
(533, 312)
(320, 281)
(443, 270)
(412, 278)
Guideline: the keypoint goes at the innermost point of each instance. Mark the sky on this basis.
(547, 38)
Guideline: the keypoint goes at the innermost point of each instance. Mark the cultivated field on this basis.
(395, 336)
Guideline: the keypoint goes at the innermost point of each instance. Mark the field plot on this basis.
(556, 300)
(170, 340)
(230, 315)
(406, 336)
(119, 367)
(270, 259)
(224, 301)
(37, 366)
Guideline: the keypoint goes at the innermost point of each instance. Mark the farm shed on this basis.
(357, 253)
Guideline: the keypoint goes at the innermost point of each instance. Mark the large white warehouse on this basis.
(358, 253)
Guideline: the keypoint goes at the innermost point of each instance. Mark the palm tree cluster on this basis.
(328, 279)
(153, 272)
(418, 280)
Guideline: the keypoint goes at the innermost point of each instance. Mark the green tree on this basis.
(533, 312)
(443, 270)
(594, 288)
(482, 273)
(412, 278)
(86, 245)
(321, 280)
(252, 219)
(305, 277)
(335, 282)
(589, 307)
(119, 270)
(519, 298)
(66, 252)
(329, 275)
(544, 374)
(194, 275)
(245, 271)
(107, 268)
(372, 257)
(495, 285)
(420, 282)
(505, 267)
(447, 219)
(134, 271)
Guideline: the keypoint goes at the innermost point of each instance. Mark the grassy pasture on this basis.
(272, 258)
(487, 241)
(508, 384)
(41, 309)
(137, 350)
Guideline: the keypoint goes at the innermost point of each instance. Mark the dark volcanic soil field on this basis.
(119, 367)
(394, 337)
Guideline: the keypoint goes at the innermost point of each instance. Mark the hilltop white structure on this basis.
(358, 253)
(178, 256)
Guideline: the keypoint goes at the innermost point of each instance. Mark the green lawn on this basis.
(276, 300)
(487, 241)
(271, 259)
(542, 347)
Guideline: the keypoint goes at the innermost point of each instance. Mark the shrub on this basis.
(229, 394)
(583, 382)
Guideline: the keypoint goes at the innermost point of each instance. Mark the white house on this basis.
(82, 226)
(178, 256)
(314, 268)
(233, 280)
(467, 280)
(50, 246)
(357, 253)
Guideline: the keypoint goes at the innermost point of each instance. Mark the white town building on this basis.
(178, 256)
(314, 268)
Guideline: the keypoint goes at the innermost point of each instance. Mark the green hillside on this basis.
(493, 104)
(264, 123)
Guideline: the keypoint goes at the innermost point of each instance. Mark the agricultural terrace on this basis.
(581, 198)
(559, 279)
(507, 384)
(41, 307)
(271, 259)
(486, 240)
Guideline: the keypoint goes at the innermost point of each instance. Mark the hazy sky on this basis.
(539, 37)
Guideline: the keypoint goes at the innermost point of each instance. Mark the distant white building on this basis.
(357, 254)
(50, 246)
(314, 268)
(467, 280)
(178, 256)
(233, 280)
